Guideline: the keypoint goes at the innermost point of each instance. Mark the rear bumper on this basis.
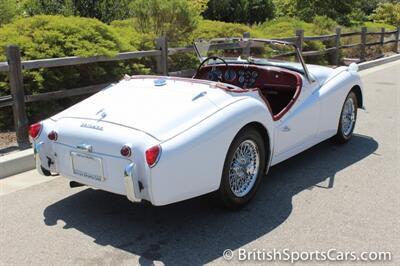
(130, 177)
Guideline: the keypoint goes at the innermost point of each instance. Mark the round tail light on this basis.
(153, 155)
(53, 135)
(34, 130)
(126, 151)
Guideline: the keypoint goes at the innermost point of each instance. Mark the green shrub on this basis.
(208, 29)
(387, 13)
(286, 27)
(323, 25)
(57, 36)
(127, 31)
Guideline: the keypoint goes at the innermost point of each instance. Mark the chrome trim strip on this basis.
(38, 164)
(37, 147)
(131, 183)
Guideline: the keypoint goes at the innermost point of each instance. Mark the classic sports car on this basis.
(167, 139)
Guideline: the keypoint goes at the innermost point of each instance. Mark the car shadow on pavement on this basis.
(197, 231)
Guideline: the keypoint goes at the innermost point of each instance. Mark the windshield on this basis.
(254, 51)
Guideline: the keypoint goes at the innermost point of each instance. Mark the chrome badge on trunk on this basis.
(87, 125)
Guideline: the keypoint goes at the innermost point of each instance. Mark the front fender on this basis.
(332, 96)
(191, 163)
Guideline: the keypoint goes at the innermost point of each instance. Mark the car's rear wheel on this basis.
(243, 169)
(348, 119)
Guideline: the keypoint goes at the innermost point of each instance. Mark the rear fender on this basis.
(191, 163)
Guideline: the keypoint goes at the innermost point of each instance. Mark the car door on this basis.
(298, 127)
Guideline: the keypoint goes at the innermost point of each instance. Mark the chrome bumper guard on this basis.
(131, 183)
(38, 162)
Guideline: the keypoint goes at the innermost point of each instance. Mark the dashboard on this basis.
(243, 76)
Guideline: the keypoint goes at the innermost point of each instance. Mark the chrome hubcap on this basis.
(244, 168)
(348, 117)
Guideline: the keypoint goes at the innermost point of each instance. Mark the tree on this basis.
(285, 8)
(175, 19)
(344, 12)
(338, 10)
(104, 10)
(242, 11)
(199, 5)
(8, 10)
(387, 13)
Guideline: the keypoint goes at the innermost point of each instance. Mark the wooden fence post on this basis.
(382, 36)
(363, 50)
(246, 50)
(396, 47)
(18, 95)
(337, 45)
(382, 40)
(300, 39)
(162, 61)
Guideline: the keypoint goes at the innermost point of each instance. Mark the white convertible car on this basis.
(251, 104)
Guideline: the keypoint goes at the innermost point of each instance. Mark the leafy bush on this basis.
(57, 36)
(286, 27)
(127, 31)
(323, 25)
(387, 13)
(208, 29)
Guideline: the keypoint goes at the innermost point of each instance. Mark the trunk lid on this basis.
(162, 111)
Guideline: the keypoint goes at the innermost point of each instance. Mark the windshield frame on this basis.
(267, 41)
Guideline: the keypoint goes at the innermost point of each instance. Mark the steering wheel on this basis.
(213, 72)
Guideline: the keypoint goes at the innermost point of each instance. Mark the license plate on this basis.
(87, 166)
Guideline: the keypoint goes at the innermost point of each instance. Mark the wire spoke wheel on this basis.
(244, 168)
(348, 117)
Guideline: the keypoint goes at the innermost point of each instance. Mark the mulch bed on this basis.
(8, 142)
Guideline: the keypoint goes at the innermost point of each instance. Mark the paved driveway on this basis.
(329, 197)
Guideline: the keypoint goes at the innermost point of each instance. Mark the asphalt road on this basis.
(330, 197)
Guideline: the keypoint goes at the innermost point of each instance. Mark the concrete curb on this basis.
(22, 161)
(378, 62)
(16, 163)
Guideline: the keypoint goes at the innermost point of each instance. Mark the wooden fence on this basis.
(18, 99)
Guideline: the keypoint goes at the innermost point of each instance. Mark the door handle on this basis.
(286, 129)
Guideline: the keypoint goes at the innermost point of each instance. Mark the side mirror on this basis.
(353, 68)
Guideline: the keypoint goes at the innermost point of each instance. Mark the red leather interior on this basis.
(279, 87)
